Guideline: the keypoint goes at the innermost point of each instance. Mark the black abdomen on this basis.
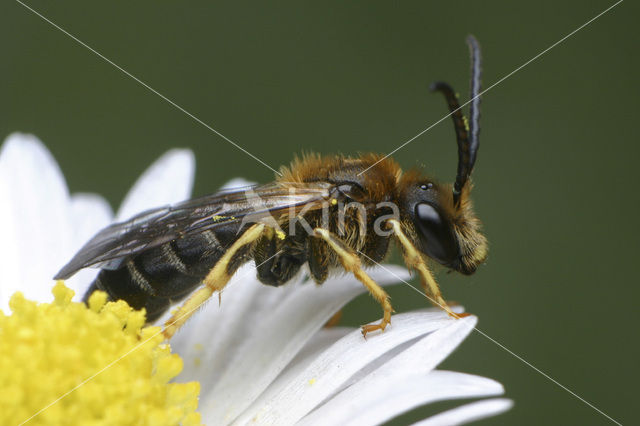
(165, 274)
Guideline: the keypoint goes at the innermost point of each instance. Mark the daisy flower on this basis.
(260, 356)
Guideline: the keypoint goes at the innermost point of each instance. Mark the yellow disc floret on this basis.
(64, 363)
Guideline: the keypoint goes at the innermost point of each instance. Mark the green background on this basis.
(556, 182)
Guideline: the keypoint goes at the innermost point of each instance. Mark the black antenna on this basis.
(474, 108)
(467, 133)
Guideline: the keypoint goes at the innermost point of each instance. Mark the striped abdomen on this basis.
(157, 277)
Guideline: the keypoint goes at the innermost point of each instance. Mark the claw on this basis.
(374, 327)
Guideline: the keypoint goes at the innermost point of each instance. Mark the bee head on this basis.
(446, 227)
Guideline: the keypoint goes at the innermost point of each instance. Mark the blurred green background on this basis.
(556, 181)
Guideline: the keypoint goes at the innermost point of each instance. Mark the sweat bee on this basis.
(326, 212)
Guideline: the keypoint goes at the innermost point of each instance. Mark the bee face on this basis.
(445, 230)
(437, 237)
(472, 242)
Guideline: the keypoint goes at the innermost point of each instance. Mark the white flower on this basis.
(261, 355)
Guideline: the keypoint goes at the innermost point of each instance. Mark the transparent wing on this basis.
(157, 226)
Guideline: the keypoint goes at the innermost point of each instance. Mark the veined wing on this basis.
(152, 228)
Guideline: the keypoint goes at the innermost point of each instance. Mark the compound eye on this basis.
(438, 241)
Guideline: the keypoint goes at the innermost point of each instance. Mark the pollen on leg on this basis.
(351, 262)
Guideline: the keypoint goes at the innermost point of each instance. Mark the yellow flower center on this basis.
(66, 363)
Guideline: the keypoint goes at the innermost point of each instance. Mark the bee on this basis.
(324, 213)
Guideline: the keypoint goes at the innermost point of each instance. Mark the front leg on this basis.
(414, 260)
(351, 262)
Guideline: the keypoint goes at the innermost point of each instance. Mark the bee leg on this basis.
(414, 260)
(215, 280)
(351, 262)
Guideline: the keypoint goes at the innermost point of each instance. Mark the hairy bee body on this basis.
(163, 275)
(327, 213)
(280, 257)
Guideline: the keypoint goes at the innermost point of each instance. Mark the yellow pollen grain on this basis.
(334, 201)
(466, 123)
(281, 235)
(47, 349)
(312, 381)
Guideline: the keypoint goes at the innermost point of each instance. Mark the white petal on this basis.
(468, 413)
(452, 335)
(90, 214)
(212, 337)
(402, 393)
(245, 302)
(321, 341)
(35, 216)
(405, 393)
(281, 330)
(236, 183)
(389, 390)
(288, 402)
(166, 181)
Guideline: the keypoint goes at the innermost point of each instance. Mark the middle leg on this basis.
(351, 262)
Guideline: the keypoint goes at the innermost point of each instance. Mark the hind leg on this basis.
(216, 280)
